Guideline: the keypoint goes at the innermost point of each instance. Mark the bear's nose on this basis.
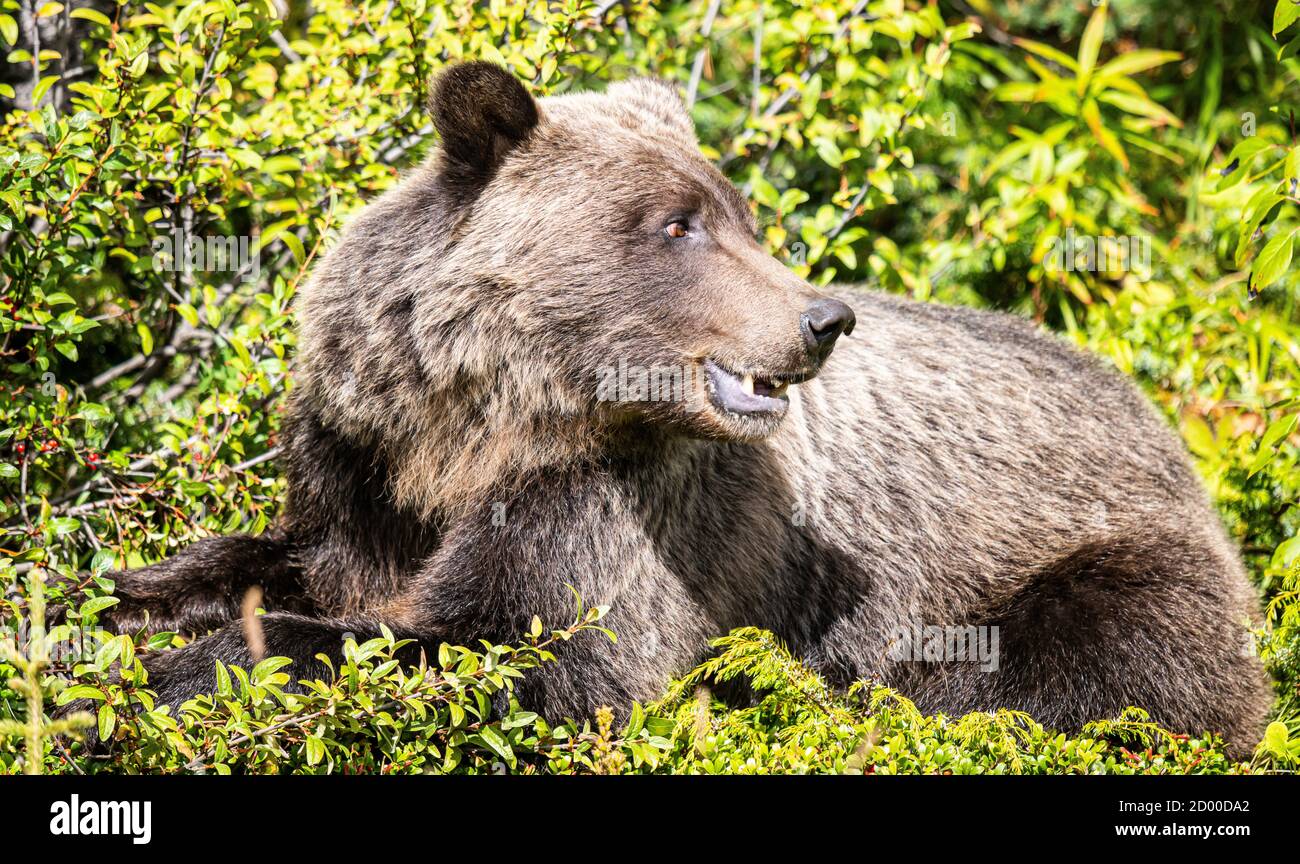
(824, 321)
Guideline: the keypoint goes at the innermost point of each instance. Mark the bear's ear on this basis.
(657, 98)
(482, 112)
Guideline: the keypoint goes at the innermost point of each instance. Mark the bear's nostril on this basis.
(824, 321)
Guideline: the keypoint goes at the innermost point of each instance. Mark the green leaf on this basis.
(1284, 15)
(1047, 52)
(42, 86)
(519, 720)
(315, 750)
(102, 561)
(139, 64)
(1290, 49)
(280, 165)
(497, 744)
(829, 152)
(91, 15)
(1090, 45)
(64, 525)
(635, 722)
(1273, 261)
(79, 691)
(1140, 106)
(107, 654)
(1276, 431)
(127, 653)
(107, 722)
(9, 29)
(225, 688)
(1279, 429)
(1106, 138)
(269, 667)
(146, 337)
(1041, 160)
(1137, 61)
(1247, 149)
(1276, 735)
(95, 605)
(291, 240)
(1286, 552)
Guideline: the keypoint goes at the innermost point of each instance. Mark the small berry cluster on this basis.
(46, 446)
(93, 458)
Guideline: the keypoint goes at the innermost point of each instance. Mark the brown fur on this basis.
(946, 467)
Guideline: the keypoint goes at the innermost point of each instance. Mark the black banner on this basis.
(309, 813)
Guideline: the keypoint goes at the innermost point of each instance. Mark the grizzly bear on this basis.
(555, 355)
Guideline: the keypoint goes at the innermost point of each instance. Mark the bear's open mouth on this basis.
(748, 393)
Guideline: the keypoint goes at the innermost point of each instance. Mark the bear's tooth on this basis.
(748, 384)
(778, 390)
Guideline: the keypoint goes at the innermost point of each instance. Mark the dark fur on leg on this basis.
(202, 587)
(1108, 627)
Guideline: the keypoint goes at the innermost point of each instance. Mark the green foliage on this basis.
(373, 714)
(800, 726)
(378, 715)
(910, 144)
(32, 660)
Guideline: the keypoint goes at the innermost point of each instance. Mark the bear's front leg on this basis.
(202, 587)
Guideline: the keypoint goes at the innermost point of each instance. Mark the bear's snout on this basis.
(824, 321)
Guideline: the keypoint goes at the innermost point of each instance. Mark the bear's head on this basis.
(562, 272)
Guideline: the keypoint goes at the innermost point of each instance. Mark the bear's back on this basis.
(941, 437)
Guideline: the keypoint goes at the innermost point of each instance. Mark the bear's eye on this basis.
(677, 229)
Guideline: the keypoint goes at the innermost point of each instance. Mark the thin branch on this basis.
(22, 492)
(848, 215)
(701, 56)
(756, 77)
(283, 44)
(811, 69)
(256, 460)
